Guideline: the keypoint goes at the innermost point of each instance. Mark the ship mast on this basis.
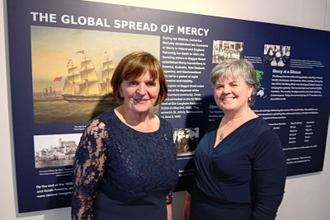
(88, 76)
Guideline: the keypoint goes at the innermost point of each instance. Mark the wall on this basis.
(307, 196)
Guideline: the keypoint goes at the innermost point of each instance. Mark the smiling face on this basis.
(139, 94)
(232, 94)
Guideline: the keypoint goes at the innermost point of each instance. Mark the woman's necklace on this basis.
(227, 127)
(222, 136)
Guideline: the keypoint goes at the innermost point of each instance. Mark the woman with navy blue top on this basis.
(125, 166)
(240, 164)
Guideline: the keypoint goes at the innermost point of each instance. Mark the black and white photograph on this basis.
(55, 150)
(276, 55)
(226, 50)
(186, 140)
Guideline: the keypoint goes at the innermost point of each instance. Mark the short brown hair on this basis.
(133, 66)
(236, 68)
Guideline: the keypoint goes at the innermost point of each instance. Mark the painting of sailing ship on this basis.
(71, 76)
(83, 85)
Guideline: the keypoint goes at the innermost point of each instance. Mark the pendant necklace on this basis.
(221, 137)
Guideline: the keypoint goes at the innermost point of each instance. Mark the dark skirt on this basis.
(122, 206)
(203, 208)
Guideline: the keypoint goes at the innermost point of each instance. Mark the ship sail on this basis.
(87, 71)
(108, 69)
(107, 72)
(68, 88)
(73, 75)
(89, 88)
(71, 82)
(88, 76)
(83, 84)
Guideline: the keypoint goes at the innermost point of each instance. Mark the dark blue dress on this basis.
(121, 173)
(243, 178)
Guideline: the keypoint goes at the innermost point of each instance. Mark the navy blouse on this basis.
(121, 173)
(247, 167)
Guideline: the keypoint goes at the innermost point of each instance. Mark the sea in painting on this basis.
(62, 111)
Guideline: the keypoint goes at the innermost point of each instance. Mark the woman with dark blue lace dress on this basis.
(125, 166)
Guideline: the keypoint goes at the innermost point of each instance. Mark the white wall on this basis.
(307, 197)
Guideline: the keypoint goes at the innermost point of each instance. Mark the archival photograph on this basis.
(186, 140)
(226, 50)
(55, 150)
(276, 55)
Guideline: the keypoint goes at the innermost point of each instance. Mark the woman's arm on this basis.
(168, 200)
(269, 172)
(88, 169)
(186, 206)
(169, 212)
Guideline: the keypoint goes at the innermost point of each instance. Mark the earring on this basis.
(249, 99)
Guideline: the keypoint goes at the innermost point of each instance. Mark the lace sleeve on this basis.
(88, 169)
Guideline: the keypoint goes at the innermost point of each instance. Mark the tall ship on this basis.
(107, 72)
(82, 85)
